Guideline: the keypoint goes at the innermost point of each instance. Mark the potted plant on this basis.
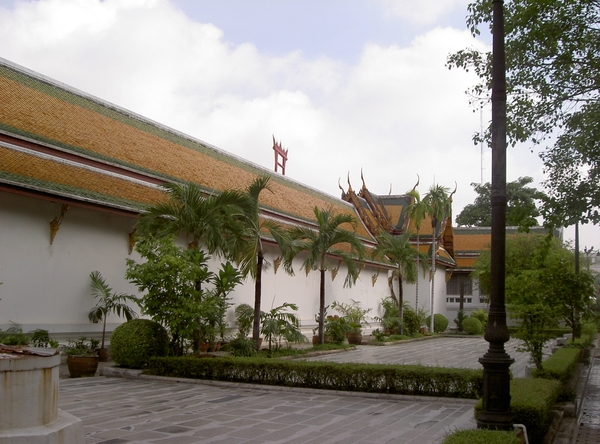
(82, 357)
(356, 316)
(108, 302)
(391, 320)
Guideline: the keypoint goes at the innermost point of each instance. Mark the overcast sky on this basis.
(343, 84)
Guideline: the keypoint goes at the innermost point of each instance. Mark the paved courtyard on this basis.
(163, 410)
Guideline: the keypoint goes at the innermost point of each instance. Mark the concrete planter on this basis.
(29, 411)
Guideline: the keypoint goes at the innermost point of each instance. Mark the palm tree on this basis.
(108, 302)
(251, 251)
(329, 239)
(416, 211)
(439, 207)
(212, 221)
(399, 251)
(209, 220)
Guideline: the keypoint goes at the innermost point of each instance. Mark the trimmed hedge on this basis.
(378, 378)
(472, 326)
(133, 343)
(481, 436)
(532, 401)
(561, 365)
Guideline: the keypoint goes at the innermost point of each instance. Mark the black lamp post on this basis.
(496, 362)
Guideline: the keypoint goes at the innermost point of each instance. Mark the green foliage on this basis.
(440, 322)
(242, 345)
(391, 319)
(460, 317)
(173, 278)
(377, 378)
(552, 51)
(399, 251)
(329, 240)
(41, 338)
(542, 288)
(133, 343)
(108, 302)
(354, 314)
(481, 436)
(521, 205)
(169, 277)
(531, 404)
(336, 329)
(482, 315)
(561, 365)
(244, 316)
(413, 320)
(82, 346)
(13, 336)
(278, 324)
(472, 326)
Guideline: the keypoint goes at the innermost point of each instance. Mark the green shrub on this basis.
(532, 401)
(482, 315)
(472, 326)
(481, 436)
(440, 322)
(242, 346)
(133, 343)
(561, 365)
(13, 336)
(413, 320)
(377, 378)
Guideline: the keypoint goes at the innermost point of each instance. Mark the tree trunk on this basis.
(322, 308)
(257, 299)
(433, 254)
(418, 267)
(400, 304)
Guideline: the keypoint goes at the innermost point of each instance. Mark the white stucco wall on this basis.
(48, 286)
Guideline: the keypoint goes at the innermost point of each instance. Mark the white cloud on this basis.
(420, 12)
(396, 113)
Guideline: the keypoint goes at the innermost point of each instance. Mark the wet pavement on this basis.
(145, 409)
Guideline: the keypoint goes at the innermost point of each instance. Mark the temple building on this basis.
(76, 171)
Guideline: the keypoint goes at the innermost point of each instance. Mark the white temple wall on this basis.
(48, 286)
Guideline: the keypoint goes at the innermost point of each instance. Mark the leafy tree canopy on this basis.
(553, 88)
(521, 205)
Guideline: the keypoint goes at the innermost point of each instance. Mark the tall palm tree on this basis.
(399, 251)
(251, 251)
(212, 221)
(416, 212)
(439, 207)
(329, 239)
(209, 220)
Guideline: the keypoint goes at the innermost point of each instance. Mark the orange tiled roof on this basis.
(47, 113)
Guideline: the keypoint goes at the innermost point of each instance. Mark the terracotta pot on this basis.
(82, 365)
(103, 354)
(354, 338)
(203, 347)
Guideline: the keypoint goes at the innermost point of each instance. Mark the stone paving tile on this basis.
(115, 410)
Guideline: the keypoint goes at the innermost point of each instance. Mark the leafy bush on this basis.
(242, 346)
(378, 378)
(459, 319)
(133, 343)
(440, 322)
(472, 326)
(244, 316)
(413, 320)
(532, 401)
(481, 436)
(482, 315)
(561, 365)
(13, 336)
